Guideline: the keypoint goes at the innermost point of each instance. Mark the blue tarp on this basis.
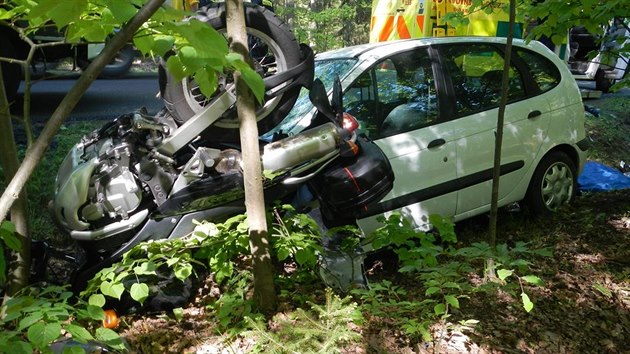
(598, 177)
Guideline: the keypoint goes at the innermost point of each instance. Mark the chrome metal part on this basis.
(72, 185)
(141, 123)
(300, 148)
(197, 123)
(195, 167)
(111, 229)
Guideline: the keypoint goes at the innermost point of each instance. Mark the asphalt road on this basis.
(105, 99)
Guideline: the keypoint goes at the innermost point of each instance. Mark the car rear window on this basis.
(543, 70)
(476, 72)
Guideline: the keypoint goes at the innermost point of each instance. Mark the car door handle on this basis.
(436, 143)
(534, 114)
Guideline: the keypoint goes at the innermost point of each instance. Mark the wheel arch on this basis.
(568, 150)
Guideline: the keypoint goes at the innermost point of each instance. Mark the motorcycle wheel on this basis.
(280, 52)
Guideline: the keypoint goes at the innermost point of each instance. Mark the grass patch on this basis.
(610, 131)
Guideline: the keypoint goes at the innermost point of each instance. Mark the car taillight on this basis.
(349, 123)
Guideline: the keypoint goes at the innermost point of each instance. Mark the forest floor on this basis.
(583, 307)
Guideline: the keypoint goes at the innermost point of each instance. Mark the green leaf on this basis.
(175, 67)
(79, 333)
(255, 83)
(19, 347)
(602, 289)
(75, 349)
(545, 252)
(432, 290)
(3, 265)
(12, 241)
(207, 80)
(95, 312)
(161, 44)
(452, 285)
(110, 337)
(504, 273)
(528, 305)
(95, 33)
(439, 309)
(205, 38)
(97, 300)
(60, 12)
(190, 58)
(305, 257)
(532, 279)
(283, 253)
(145, 44)
(30, 320)
(183, 271)
(122, 10)
(114, 290)
(7, 226)
(145, 268)
(452, 300)
(139, 292)
(41, 334)
(178, 313)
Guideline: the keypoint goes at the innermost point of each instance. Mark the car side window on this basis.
(476, 72)
(402, 97)
(544, 72)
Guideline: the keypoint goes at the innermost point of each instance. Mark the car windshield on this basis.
(326, 71)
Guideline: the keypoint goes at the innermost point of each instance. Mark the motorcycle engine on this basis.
(107, 182)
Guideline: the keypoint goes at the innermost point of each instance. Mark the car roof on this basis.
(383, 49)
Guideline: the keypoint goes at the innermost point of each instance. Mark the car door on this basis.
(474, 73)
(396, 102)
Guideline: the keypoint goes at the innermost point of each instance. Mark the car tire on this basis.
(11, 73)
(121, 63)
(183, 100)
(601, 82)
(553, 184)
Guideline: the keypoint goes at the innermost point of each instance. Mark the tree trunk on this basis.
(19, 265)
(492, 237)
(35, 153)
(264, 292)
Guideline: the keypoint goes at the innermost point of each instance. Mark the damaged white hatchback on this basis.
(431, 106)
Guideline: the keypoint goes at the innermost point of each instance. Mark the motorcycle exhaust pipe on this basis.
(297, 149)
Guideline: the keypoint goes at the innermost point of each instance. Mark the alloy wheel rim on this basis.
(557, 185)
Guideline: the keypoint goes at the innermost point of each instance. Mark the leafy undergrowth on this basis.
(583, 307)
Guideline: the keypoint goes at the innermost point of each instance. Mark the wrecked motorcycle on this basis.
(143, 177)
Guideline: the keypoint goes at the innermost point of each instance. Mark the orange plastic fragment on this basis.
(111, 320)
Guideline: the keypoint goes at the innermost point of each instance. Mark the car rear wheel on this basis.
(553, 184)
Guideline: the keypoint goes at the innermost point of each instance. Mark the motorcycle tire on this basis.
(183, 99)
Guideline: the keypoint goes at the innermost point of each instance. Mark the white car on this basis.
(431, 106)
